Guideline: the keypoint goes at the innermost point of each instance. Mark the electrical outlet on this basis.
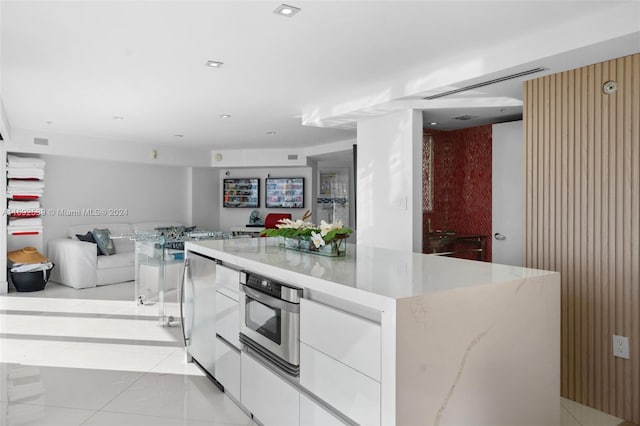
(621, 346)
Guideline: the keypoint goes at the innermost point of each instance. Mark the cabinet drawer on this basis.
(349, 391)
(227, 368)
(311, 414)
(269, 398)
(227, 323)
(351, 340)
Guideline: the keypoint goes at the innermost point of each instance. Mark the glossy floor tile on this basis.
(93, 357)
(64, 387)
(104, 418)
(175, 396)
(15, 414)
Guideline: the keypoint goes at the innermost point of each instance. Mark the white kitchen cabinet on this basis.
(268, 397)
(349, 339)
(227, 367)
(227, 277)
(349, 391)
(227, 324)
(312, 414)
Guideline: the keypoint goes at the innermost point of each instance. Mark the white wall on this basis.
(230, 217)
(145, 192)
(206, 198)
(103, 149)
(389, 212)
(271, 157)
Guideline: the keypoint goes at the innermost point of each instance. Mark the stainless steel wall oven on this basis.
(270, 320)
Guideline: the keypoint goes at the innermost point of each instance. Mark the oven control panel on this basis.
(268, 286)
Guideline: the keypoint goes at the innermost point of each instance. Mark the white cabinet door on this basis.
(227, 318)
(227, 278)
(227, 368)
(351, 340)
(340, 386)
(311, 414)
(269, 398)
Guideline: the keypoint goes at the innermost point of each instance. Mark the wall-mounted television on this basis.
(243, 192)
(285, 193)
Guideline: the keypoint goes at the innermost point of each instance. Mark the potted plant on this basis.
(328, 239)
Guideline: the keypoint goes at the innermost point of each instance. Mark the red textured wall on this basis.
(461, 183)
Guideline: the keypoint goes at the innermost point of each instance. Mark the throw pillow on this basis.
(103, 239)
(88, 238)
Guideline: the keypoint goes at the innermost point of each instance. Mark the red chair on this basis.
(272, 219)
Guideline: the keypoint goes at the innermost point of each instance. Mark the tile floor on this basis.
(92, 357)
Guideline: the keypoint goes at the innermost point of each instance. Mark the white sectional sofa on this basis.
(78, 264)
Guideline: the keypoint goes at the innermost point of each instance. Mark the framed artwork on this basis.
(242, 192)
(284, 193)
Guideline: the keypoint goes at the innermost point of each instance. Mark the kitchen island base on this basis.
(391, 338)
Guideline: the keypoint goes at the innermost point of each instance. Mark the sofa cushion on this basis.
(117, 260)
(103, 239)
(122, 244)
(88, 238)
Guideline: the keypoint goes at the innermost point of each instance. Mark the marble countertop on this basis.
(370, 276)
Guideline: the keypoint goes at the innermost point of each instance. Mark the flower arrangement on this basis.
(312, 237)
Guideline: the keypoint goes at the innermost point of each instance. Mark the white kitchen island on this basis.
(394, 338)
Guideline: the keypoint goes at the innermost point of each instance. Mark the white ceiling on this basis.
(77, 64)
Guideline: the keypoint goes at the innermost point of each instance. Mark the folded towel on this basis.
(25, 184)
(23, 205)
(34, 230)
(22, 197)
(25, 222)
(23, 194)
(25, 174)
(30, 267)
(16, 161)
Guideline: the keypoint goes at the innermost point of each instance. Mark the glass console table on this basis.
(159, 266)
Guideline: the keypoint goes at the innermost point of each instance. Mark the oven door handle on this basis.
(270, 300)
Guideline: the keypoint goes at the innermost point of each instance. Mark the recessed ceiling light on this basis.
(433, 123)
(118, 117)
(271, 133)
(286, 10)
(179, 136)
(214, 64)
(225, 116)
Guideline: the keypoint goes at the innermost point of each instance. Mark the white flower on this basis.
(326, 227)
(317, 239)
(298, 224)
(284, 223)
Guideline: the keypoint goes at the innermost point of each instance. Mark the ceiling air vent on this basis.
(41, 141)
(486, 83)
(292, 157)
(464, 117)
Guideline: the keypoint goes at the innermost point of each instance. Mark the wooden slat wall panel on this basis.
(582, 186)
